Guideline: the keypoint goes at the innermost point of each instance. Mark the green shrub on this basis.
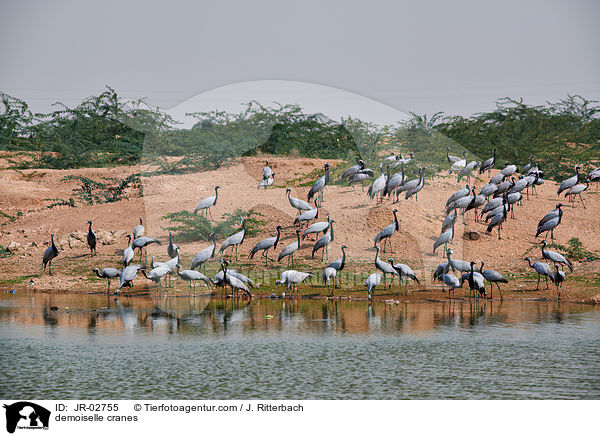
(189, 226)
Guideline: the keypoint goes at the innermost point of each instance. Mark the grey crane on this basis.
(493, 277)
(265, 183)
(267, 171)
(459, 164)
(401, 160)
(514, 198)
(308, 215)
(127, 276)
(108, 274)
(462, 204)
(442, 268)
(208, 202)
(392, 158)
(371, 283)
(378, 185)
(509, 169)
(467, 170)
(350, 172)
(296, 202)
(542, 269)
(550, 215)
(570, 182)
(91, 239)
(324, 242)
(527, 167)
(498, 178)
(519, 185)
(291, 279)
(233, 281)
(414, 191)
(172, 248)
(456, 264)
(488, 164)
(451, 281)
(559, 278)
(498, 219)
(156, 274)
(265, 245)
(316, 228)
(555, 257)
(594, 176)
(394, 182)
(492, 204)
(234, 240)
(386, 233)
(219, 277)
(489, 189)
(290, 249)
(128, 252)
(411, 184)
(50, 253)
(171, 264)
(319, 186)
(462, 192)
(385, 268)
(448, 222)
(329, 274)
(577, 190)
(339, 264)
(475, 280)
(204, 255)
(138, 231)
(142, 242)
(445, 237)
(504, 187)
(476, 202)
(406, 272)
(451, 159)
(190, 275)
(550, 224)
(361, 176)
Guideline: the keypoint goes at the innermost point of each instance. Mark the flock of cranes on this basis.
(496, 199)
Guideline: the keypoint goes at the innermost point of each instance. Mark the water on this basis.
(94, 347)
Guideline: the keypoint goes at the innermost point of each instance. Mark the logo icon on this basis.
(24, 414)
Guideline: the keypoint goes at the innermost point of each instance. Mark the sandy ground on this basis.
(357, 218)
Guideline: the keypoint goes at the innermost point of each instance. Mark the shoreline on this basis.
(357, 295)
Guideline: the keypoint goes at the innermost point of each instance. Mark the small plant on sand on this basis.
(189, 226)
(4, 252)
(576, 251)
(93, 192)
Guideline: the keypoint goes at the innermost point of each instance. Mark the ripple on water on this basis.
(308, 349)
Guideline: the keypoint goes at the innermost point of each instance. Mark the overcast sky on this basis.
(457, 57)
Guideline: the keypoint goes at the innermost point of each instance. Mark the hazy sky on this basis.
(420, 56)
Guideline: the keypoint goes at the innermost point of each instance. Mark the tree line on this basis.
(105, 130)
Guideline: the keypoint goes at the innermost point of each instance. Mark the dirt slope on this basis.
(357, 218)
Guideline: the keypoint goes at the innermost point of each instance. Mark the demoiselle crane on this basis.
(50, 253)
(91, 239)
(108, 274)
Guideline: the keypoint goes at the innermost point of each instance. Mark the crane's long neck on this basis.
(170, 238)
(377, 256)
(326, 175)
(98, 273)
(481, 267)
(396, 220)
(529, 262)
(277, 238)
(129, 243)
(90, 227)
(298, 238)
(343, 256)
(216, 196)
(331, 231)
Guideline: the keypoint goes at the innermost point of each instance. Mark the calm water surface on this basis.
(94, 347)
